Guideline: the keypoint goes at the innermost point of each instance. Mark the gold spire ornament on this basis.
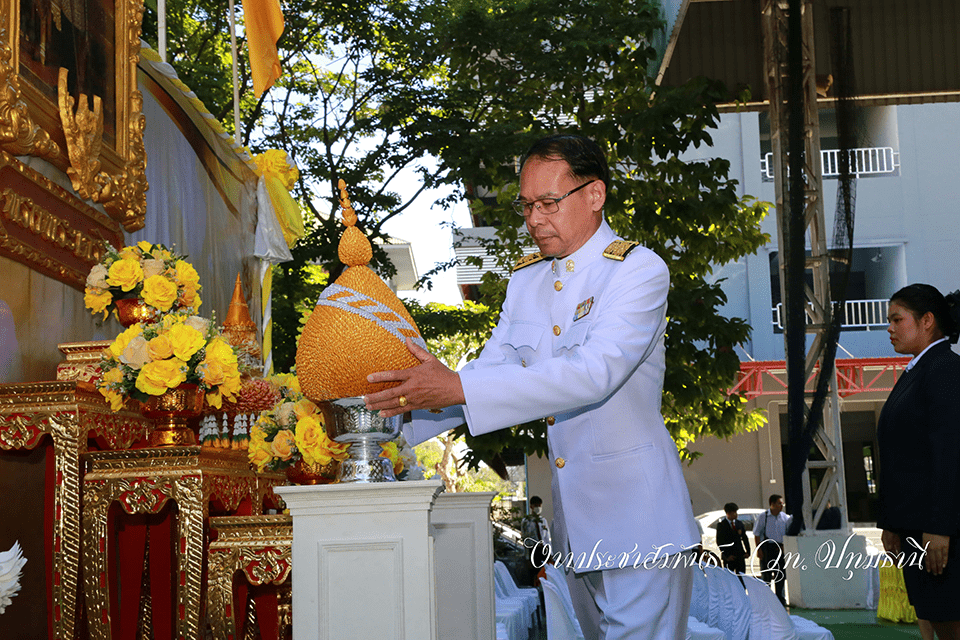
(358, 327)
(240, 330)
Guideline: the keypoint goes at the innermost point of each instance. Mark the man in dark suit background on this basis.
(732, 540)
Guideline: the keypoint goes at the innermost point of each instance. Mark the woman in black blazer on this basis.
(919, 446)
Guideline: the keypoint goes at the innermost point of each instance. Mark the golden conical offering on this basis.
(239, 329)
(358, 327)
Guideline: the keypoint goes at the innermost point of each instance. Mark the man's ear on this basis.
(598, 195)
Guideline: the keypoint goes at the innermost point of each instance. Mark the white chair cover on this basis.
(728, 605)
(559, 580)
(700, 599)
(697, 630)
(510, 614)
(529, 595)
(810, 630)
(768, 619)
(560, 624)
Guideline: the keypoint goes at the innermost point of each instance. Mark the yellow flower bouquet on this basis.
(148, 272)
(294, 429)
(148, 359)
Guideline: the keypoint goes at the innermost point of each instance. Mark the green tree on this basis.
(522, 70)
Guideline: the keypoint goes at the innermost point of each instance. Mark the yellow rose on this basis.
(144, 246)
(219, 350)
(156, 377)
(131, 253)
(125, 274)
(160, 348)
(304, 408)
(97, 300)
(118, 345)
(190, 298)
(214, 399)
(114, 398)
(286, 380)
(212, 373)
(159, 292)
(136, 354)
(186, 275)
(259, 456)
(309, 433)
(186, 341)
(112, 377)
(391, 453)
(231, 386)
(282, 445)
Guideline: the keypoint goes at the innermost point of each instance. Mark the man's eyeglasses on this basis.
(545, 205)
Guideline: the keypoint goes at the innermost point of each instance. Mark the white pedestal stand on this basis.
(463, 539)
(363, 563)
(828, 570)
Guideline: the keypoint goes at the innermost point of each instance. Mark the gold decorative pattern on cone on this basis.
(358, 327)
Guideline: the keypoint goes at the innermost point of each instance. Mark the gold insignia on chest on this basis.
(528, 260)
(570, 266)
(618, 249)
(583, 308)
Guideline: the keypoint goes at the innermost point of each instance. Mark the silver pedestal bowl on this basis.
(364, 430)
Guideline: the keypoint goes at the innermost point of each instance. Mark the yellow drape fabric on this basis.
(263, 21)
(894, 604)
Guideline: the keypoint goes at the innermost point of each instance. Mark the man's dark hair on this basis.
(730, 507)
(774, 498)
(923, 298)
(585, 157)
(535, 501)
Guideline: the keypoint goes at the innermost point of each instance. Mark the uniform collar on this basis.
(916, 358)
(591, 251)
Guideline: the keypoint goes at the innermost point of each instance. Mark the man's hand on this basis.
(891, 543)
(937, 549)
(429, 385)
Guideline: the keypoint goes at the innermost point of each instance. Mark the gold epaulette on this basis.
(528, 260)
(618, 249)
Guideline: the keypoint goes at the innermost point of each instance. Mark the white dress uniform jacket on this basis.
(580, 342)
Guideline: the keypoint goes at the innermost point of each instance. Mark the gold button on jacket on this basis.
(558, 285)
(556, 330)
(551, 420)
(560, 462)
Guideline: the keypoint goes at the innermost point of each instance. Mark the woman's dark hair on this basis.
(585, 157)
(921, 299)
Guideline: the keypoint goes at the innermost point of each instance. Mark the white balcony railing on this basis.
(868, 161)
(858, 314)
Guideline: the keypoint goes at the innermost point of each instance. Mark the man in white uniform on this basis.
(580, 343)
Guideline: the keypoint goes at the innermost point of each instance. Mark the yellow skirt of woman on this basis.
(894, 604)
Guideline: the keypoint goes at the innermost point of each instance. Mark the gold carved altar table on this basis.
(258, 546)
(143, 481)
(70, 412)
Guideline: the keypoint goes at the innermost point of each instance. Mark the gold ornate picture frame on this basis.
(55, 54)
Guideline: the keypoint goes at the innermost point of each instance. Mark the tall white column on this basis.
(464, 551)
(363, 564)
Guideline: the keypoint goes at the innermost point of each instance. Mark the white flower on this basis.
(285, 414)
(200, 324)
(97, 278)
(136, 353)
(152, 267)
(11, 562)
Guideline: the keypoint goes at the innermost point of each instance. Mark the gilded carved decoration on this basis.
(70, 412)
(84, 133)
(143, 481)
(260, 547)
(19, 134)
(47, 228)
(36, 112)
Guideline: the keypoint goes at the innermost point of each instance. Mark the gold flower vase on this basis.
(133, 310)
(303, 473)
(175, 414)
